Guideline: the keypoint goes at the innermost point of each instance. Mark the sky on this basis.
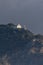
(25, 12)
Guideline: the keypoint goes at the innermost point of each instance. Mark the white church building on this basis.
(19, 26)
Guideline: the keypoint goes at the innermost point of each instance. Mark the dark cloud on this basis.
(28, 12)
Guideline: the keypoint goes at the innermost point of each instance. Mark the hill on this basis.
(19, 46)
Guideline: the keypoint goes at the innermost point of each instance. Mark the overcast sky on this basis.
(25, 12)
